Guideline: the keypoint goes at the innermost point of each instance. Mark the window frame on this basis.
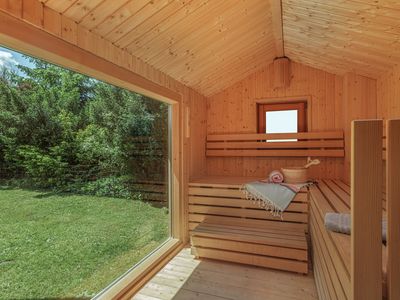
(284, 103)
(25, 38)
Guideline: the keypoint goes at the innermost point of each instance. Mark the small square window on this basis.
(282, 118)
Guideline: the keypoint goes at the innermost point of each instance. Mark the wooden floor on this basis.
(185, 278)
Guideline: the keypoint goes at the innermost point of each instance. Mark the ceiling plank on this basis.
(277, 27)
(101, 12)
(166, 12)
(81, 8)
(60, 6)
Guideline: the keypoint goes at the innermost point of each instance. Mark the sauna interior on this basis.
(225, 67)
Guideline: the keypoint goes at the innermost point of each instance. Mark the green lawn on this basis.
(70, 246)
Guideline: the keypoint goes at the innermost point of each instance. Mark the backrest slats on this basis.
(302, 144)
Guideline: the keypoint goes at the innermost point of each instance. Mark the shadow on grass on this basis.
(48, 194)
(43, 193)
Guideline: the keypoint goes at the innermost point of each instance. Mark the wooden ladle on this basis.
(312, 162)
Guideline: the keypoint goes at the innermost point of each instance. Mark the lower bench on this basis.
(265, 247)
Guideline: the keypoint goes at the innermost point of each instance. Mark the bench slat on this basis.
(257, 260)
(268, 238)
(195, 219)
(243, 203)
(246, 213)
(224, 225)
(281, 242)
(242, 246)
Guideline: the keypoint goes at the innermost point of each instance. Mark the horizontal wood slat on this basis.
(320, 144)
(276, 145)
(331, 250)
(277, 238)
(243, 203)
(228, 201)
(251, 248)
(210, 191)
(196, 219)
(226, 226)
(258, 260)
(245, 213)
(277, 153)
(323, 135)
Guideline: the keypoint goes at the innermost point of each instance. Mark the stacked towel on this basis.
(342, 223)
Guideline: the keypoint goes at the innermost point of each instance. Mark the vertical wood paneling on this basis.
(389, 94)
(13, 7)
(234, 111)
(52, 21)
(359, 102)
(69, 30)
(33, 12)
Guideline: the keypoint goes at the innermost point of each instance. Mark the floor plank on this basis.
(185, 277)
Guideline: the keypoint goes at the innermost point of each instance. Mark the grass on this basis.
(70, 246)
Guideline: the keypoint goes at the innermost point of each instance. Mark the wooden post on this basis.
(393, 208)
(366, 210)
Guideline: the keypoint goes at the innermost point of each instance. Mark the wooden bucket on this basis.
(295, 175)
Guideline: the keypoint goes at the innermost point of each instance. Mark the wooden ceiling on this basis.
(339, 36)
(211, 44)
(206, 44)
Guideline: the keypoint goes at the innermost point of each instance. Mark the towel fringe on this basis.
(262, 202)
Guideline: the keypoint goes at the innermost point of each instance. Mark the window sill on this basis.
(129, 283)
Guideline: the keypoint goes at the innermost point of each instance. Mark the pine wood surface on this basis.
(331, 251)
(185, 277)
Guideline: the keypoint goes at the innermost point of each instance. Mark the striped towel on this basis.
(273, 197)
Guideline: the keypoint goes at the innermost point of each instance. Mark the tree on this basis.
(59, 128)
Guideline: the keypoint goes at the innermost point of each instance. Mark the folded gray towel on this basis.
(342, 223)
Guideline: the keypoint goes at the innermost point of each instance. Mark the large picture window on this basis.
(85, 180)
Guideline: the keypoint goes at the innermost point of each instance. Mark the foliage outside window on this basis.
(83, 180)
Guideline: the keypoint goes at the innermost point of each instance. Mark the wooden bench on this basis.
(331, 251)
(226, 226)
(359, 266)
(301, 144)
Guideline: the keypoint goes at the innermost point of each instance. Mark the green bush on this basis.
(43, 169)
(69, 132)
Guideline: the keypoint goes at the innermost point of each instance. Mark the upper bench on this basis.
(302, 144)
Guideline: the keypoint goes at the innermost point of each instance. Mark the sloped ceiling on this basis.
(339, 36)
(211, 44)
(206, 44)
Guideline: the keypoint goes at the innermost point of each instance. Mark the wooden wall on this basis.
(366, 98)
(359, 102)
(234, 111)
(388, 87)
